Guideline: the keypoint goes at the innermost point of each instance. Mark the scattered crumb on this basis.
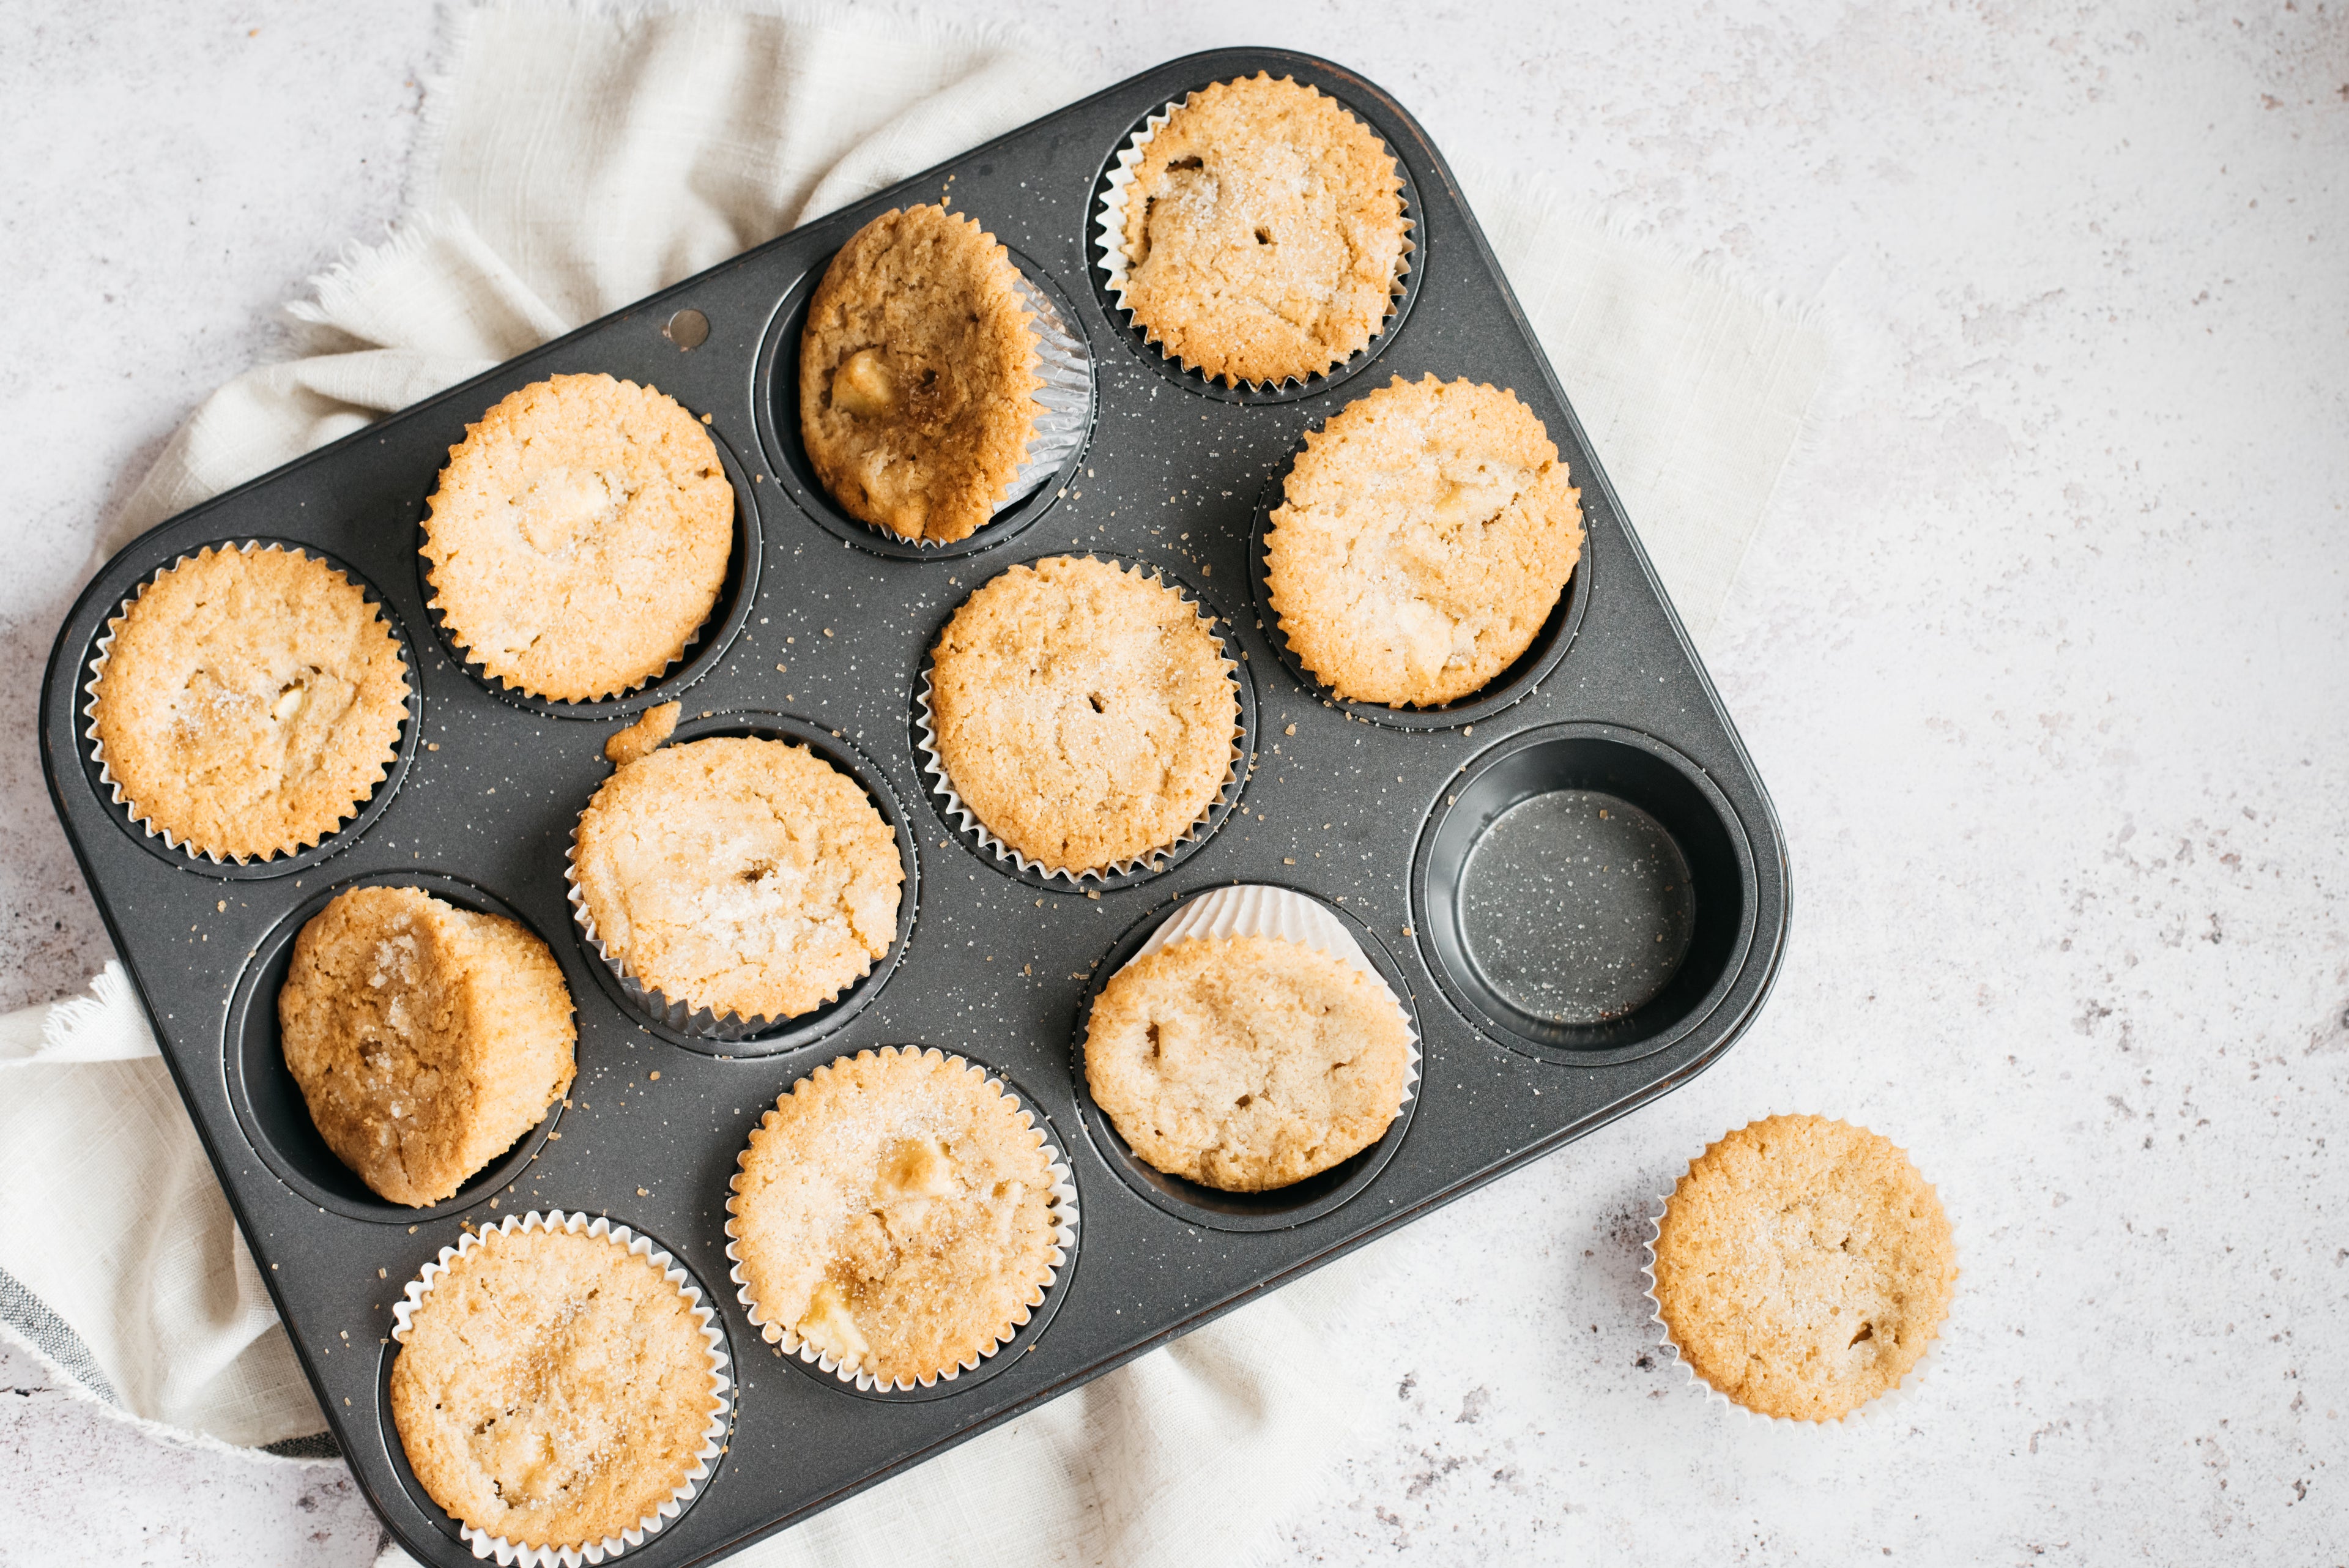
(643, 737)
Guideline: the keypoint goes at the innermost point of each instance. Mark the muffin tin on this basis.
(821, 632)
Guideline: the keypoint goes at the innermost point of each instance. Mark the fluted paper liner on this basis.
(1063, 1196)
(96, 673)
(508, 1553)
(1110, 240)
(1873, 1410)
(1256, 909)
(960, 811)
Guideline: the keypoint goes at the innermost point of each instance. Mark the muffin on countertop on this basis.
(248, 703)
(894, 1212)
(552, 1388)
(1263, 233)
(1084, 713)
(741, 875)
(1424, 538)
(425, 1038)
(1803, 1267)
(579, 537)
(919, 374)
(1246, 1062)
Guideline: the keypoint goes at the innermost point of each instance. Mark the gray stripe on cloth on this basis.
(29, 1315)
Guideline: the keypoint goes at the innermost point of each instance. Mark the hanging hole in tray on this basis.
(708, 648)
(688, 329)
(268, 1103)
(1584, 893)
(1195, 1203)
(790, 1033)
(1512, 685)
(776, 394)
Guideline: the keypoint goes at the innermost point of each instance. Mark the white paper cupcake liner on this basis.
(1109, 241)
(1877, 1409)
(1064, 1244)
(508, 1553)
(1256, 909)
(97, 674)
(684, 1016)
(942, 783)
(1065, 400)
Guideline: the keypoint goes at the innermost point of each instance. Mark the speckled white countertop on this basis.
(2044, 654)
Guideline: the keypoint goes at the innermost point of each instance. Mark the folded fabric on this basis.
(572, 161)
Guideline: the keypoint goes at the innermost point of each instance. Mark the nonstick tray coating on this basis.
(826, 624)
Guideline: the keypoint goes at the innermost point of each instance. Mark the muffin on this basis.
(1084, 713)
(1802, 1267)
(737, 876)
(1423, 538)
(897, 1215)
(1262, 235)
(935, 383)
(579, 537)
(1246, 1062)
(425, 1038)
(247, 703)
(555, 1387)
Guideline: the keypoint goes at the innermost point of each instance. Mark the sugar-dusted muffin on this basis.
(1262, 235)
(921, 369)
(425, 1038)
(248, 702)
(895, 1212)
(1085, 714)
(579, 537)
(1803, 1267)
(743, 876)
(552, 1387)
(1246, 1062)
(1423, 538)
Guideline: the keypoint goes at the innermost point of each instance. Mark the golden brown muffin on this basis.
(1084, 713)
(1263, 233)
(919, 375)
(894, 1210)
(741, 875)
(552, 1388)
(425, 1038)
(1246, 1062)
(1423, 538)
(249, 703)
(1803, 1267)
(579, 537)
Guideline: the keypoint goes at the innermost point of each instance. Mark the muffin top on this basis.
(741, 875)
(1423, 538)
(249, 703)
(1802, 1266)
(917, 375)
(552, 1388)
(1246, 1062)
(1263, 233)
(425, 1038)
(1085, 714)
(895, 1212)
(579, 537)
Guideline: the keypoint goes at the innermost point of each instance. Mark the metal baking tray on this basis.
(821, 633)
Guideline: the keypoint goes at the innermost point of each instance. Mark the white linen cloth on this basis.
(573, 159)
